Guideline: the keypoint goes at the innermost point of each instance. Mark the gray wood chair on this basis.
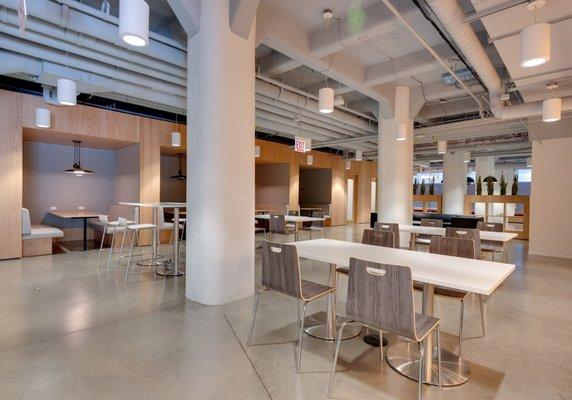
(316, 226)
(464, 248)
(380, 297)
(293, 213)
(466, 233)
(281, 272)
(278, 226)
(426, 239)
(375, 238)
(493, 247)
(389, 227)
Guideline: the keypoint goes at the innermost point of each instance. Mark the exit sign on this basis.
(302, 144)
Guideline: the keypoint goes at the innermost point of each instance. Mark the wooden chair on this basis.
(316, 226)
(281, 272)
(426, 239)
(389, 227)
(277, 226)
(466, 233)
(464, 248)
(380, 297)
(375, 238)
(491, 246)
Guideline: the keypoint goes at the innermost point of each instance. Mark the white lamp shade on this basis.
(348, 164)
(67, 92)
(551, 109)
(326, 100)
(535, 45)
(401, 131)
(256, 151)
(134, 22)
(529, 162)
(43, 118)
(176, 139)
(359, 155)
(442, 146)
(310, 159)
(466, 156)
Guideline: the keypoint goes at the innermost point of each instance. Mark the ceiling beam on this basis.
(241, 15)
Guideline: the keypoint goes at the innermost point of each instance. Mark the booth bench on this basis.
(37, 239)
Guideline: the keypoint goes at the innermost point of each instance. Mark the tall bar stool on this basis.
(389, 227)
(380, 297)
(134, 229)
(457, 247)
(426, 239)
(316, 226)
(492, 246)
(278, 226)
(109, 228)
(281, 272)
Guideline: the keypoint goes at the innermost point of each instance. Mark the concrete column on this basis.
(454, 182)
(220, 191)
(395, 167)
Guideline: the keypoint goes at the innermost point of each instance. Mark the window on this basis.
(524, 174)
(427, 176)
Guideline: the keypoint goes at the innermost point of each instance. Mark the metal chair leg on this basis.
(439, 354)
(381, 347)
(421, 370)
(483, 304)
(121, 251)
(111, 250)
(130, 255)
(299, 360)
(461, 328)
(338, 344)
(101, 245)
(254, 310)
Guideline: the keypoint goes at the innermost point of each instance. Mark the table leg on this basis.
(84, 234)
(171, 267)
(412, 239)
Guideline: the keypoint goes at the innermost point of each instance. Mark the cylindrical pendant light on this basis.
(529, 162)
(401, 131)
(310, 159)
(348, 164)
(67, 92)
(43, 118)
(535, 45)
(256, 151)
(176, 139)
(134, 22)
(442, 146)
(359, 155)
(326, 100)
(466, 156)
(552, 109)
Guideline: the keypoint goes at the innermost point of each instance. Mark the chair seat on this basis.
(114, 223)
(441, 291)
(180, 220)
(493, 248)
(115, 229)
(169, 225)
(136, 227)
(423, 240)
(424, 324)
(312, 228)
(343, 270)
(312, 290)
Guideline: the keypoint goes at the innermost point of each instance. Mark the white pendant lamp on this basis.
(401, 131)
(134, 22)
(256, 151)
(176, 139)
(326, 100)
(466, 156)
(442, 146)
(552, 109)
(67, 92)
(359, 155)
(43, 118)
(310, 159)
(348, 164)
(535, 45)
(529, 162)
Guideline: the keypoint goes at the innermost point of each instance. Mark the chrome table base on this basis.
(168, 269)
(316, 325)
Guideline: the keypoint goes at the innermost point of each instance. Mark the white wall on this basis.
(172, 189)
(551, 194)
(272, 186)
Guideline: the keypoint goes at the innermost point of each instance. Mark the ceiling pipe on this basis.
(453, 19)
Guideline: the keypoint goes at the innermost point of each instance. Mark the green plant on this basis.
(490, 185)
(432, 186)
(514, 190)
(422, 189)
(479, 187)
(503, 184)
(415, 185)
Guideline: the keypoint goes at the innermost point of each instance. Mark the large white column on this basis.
(395, 166)
(220, 241)
(454, 182)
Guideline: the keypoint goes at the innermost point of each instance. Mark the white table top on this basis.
(291, 218)
(470, 275)
(74, 214)
(432, 230)
(164, 204)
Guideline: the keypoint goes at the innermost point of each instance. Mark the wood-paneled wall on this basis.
(11, 174)
(366, 171)
(149, 170)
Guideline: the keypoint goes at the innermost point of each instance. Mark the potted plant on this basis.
(479, 187)
(432, 186)
(422, 188)
(490, 185)
(415, 185)
(503, 184)
(514, 190)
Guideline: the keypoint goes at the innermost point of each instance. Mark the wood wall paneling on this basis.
(150, 169)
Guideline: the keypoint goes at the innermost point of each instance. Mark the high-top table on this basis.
(80, 214)
(170, 268)
(477, 276)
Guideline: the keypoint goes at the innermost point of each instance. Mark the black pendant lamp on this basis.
(179, 176)
(77, 170)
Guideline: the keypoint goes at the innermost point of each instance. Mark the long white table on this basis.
(292, 218)
(477, 276)
(172, 269)
(436, 231)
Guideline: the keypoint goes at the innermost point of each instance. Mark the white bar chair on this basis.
(134, 229)
(109, 228)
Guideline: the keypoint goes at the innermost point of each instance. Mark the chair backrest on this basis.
(26, 222)
(463, 233)
(280, 268)
(389, 227)
(277, 224)
(381, 296)
(104, 219)
(317, 214)
(452, 246)
(490, 226)
(378, 238)
(294, 213)
(122, 221)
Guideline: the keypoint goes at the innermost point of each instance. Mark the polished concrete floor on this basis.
(71, 331)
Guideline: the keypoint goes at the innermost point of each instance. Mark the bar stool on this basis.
(134, 229)
(281, 272)
(109, 228)
(380, 297)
